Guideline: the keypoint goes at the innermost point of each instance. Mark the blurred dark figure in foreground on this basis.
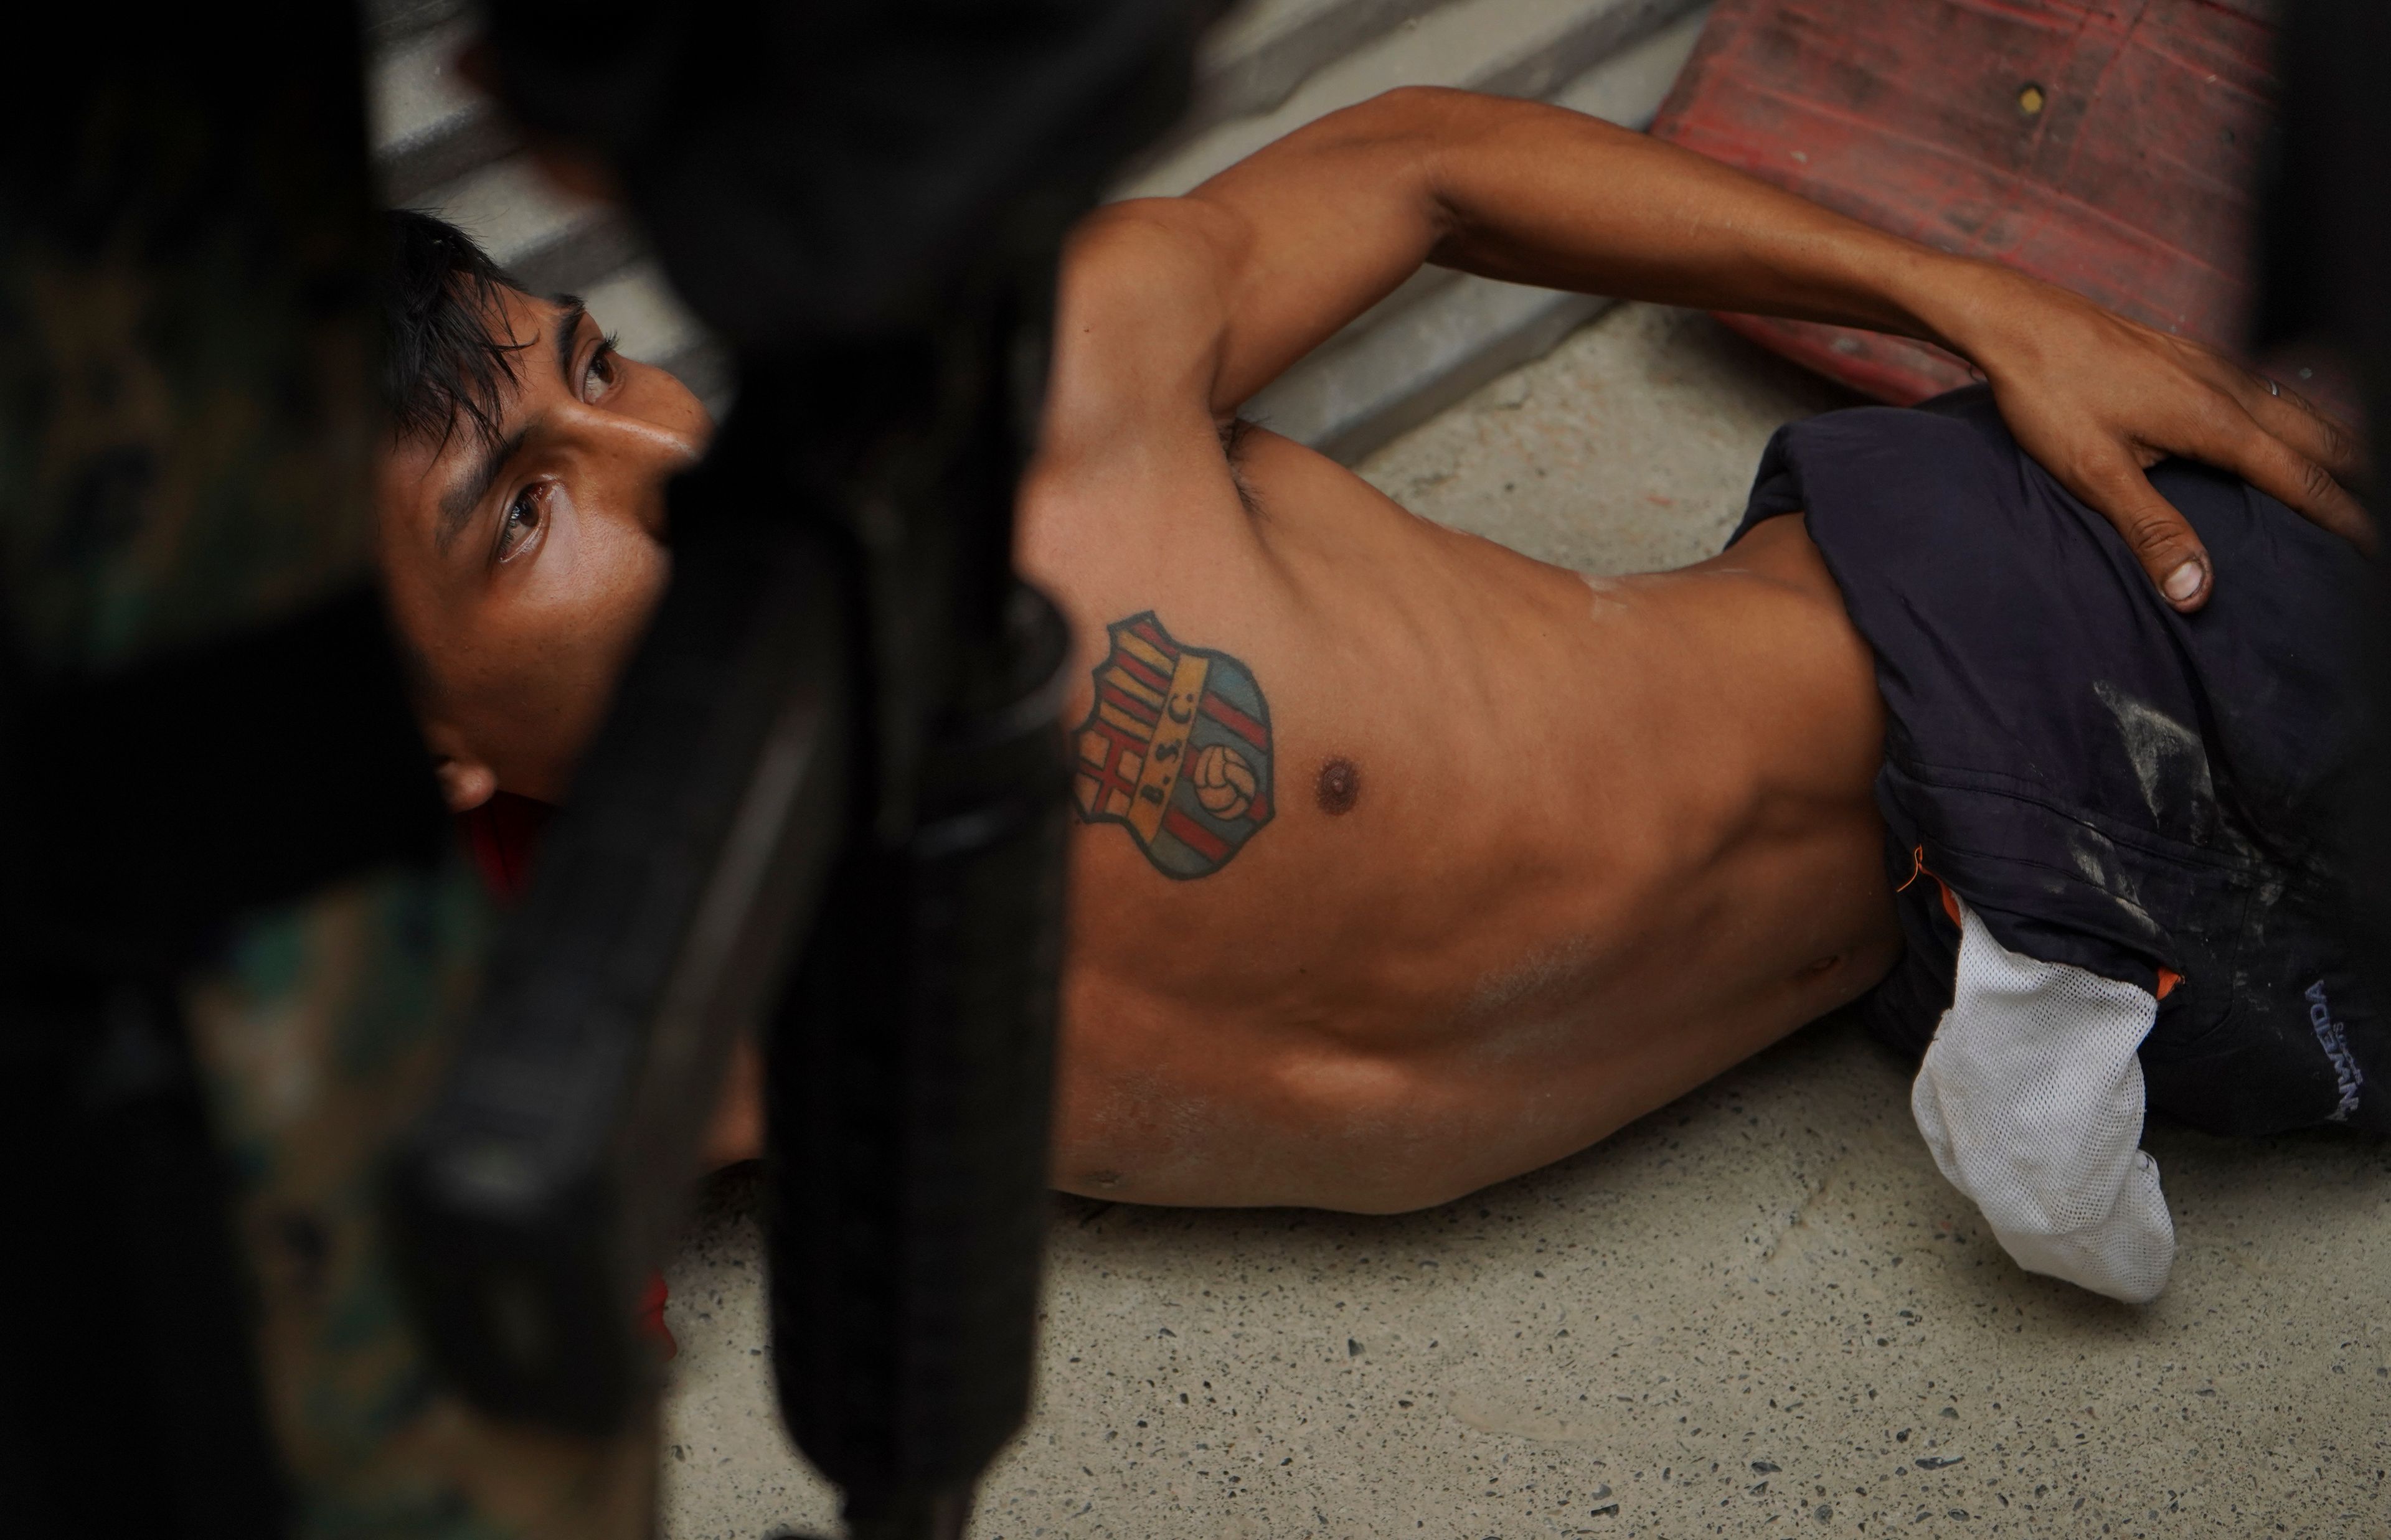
(2328, 281)
(235, 926)
(826, 805)
(221, 984)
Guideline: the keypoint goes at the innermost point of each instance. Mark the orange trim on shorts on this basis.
(1917, 870)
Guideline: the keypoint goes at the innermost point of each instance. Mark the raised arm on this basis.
(1311, 231)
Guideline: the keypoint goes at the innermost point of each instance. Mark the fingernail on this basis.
(2185, 582)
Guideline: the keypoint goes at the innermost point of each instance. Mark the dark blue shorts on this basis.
(2109, 784)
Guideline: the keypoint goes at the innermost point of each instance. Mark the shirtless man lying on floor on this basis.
(1462, 861)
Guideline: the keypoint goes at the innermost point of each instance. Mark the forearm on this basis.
(1339, 213)
(1535, 195)
(1532, 194)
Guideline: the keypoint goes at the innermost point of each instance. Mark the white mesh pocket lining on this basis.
(2032, 1100)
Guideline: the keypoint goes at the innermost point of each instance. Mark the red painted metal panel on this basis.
(2112, 145)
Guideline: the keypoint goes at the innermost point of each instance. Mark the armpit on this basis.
(1235, 435)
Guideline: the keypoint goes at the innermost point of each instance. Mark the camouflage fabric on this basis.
(318, 1034)
(186, 408)
(187, 421)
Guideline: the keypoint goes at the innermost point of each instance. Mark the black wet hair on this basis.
(442, 300)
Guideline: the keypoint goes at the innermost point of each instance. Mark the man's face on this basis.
(522, 573)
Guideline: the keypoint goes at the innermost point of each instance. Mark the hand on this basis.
(2097, 399)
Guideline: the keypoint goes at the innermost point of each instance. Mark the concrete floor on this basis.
(1757, 1313)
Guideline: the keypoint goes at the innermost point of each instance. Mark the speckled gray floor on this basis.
(1757, 1313)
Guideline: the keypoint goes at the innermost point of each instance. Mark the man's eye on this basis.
(603, 372)
(521, 522)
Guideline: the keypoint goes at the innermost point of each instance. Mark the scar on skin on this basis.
(1605, 590)
(1339, 787)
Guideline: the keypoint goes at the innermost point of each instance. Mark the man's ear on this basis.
(466, 780)
(464, 784)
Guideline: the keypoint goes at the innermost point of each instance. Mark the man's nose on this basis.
(660, 451)
(672, 445)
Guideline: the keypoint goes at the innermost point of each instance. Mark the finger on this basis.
(2161, 538)
(2299, 482)
(2307, 428)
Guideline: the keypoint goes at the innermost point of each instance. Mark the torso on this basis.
(1545, 851)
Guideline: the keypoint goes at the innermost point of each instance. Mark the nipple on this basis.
(1339, 787)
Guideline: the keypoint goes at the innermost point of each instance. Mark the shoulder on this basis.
(1149, 272)
(1142, 305)
(1130, 458)
(1143, 243)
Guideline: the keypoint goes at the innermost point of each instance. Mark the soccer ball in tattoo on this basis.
(1224, 782)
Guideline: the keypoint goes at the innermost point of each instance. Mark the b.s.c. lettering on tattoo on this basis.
(1176, 749)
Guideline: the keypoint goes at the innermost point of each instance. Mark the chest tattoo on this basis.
(1176, 749)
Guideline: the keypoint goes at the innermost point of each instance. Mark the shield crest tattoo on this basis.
(1176, 749)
